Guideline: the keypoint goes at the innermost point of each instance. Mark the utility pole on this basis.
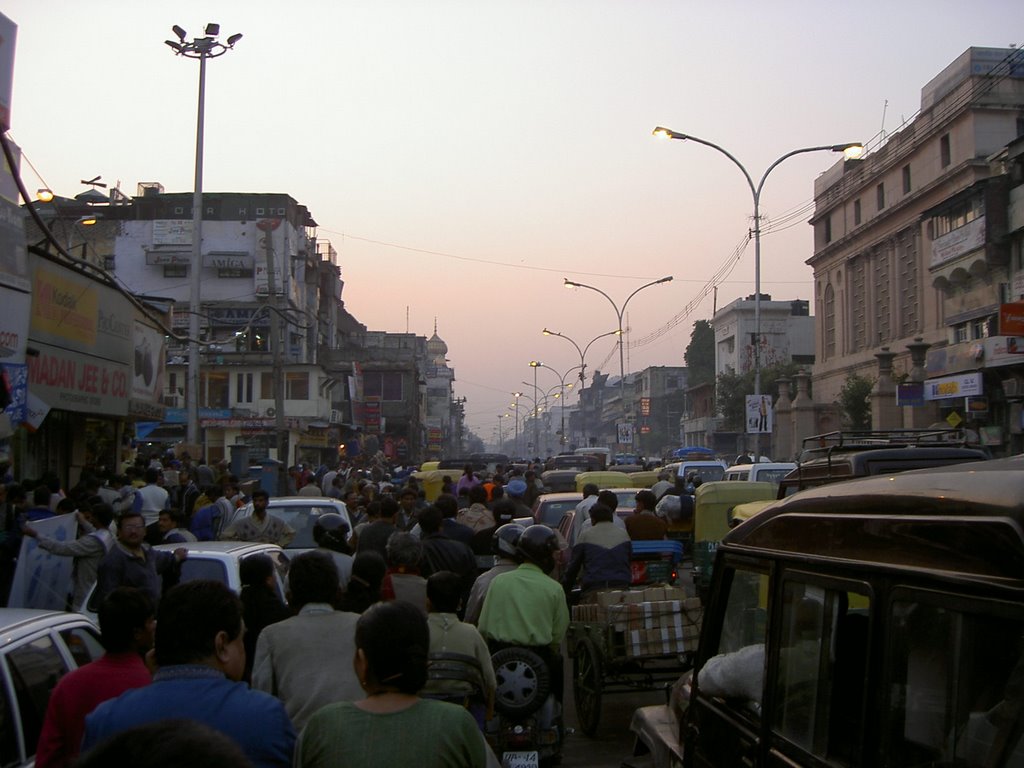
(267, 226)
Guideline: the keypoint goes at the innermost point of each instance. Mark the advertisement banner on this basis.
(76, 382)
(14, 325)
(43, 579)
(148, 363)
(759, 414)
(965, 385)
(1011, 319)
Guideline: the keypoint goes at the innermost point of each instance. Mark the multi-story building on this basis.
(787, 334)
(912, 258)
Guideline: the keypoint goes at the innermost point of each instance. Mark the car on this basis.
(301, 512)
(708, 471)
(763, 471)
(221, 561)
(217, 560)
(37, 648)
(885, 615)
(549, 508)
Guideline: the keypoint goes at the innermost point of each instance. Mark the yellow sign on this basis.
(64, 308)
(954, 419)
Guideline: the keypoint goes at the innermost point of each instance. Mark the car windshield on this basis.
(771, 475)
(301, 517)
(550, 512)
(627, 498)
(201, 569)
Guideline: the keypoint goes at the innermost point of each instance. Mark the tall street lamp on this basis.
(535, 364)
(501, 435)
(561, 379)
(582, 352)
(619, 312)
(202, 48)
(851, 150)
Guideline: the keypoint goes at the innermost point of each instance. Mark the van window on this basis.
(770, 475)
(202, 569)
(744, 620)
(820, 664)
(957, 693)
(35, 667)
(738, 474)
(84, 644)
(9, 754)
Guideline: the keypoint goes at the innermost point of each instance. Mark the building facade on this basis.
(914, 258)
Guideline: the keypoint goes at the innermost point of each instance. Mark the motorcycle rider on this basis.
(526, 608)
(330, 532)
(503, 545)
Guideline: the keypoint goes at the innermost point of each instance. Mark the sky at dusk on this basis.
(465, 157)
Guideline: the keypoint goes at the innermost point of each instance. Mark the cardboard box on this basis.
(632, 598)
(654, 594)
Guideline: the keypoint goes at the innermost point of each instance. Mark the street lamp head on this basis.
(664, 280)
(179, 32)
(536, 364)
(850, 151)
(234, 39)
(517, 395)
(176, 47)
(546, 332)
(87, 221)
(44, 195)
(569, 283)
(212, 29)
(668, 133)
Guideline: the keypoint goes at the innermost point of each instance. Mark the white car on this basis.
(37, 648)
(763, 471)
(300, 512)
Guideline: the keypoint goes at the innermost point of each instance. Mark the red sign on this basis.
(1011, 319)
(645, 406)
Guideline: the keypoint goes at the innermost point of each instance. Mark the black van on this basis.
(836, 456)
(876, 622)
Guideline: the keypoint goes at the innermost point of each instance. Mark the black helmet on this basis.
(505, 539)
(538, 545)
(330, 531)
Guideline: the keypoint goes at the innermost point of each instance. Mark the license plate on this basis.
(520, 760)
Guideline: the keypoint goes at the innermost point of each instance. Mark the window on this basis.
(829, 325)
(960, 333)
(83, 643)
(35, 669)
(296, 385)
(956, 667)
(819, 667)
(856, 213)
(175, 270)
(251, 341)
(267, 386)
(828, 229)
(880, 196)
(214, 390)
(387, 385)
(243, 387)
(906, 179)
(234, 272)
(958, 215)
(945, 157)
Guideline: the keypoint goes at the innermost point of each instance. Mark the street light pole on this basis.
(850, 149)
(619, 313)
(515, 404)
(202, 48)
(583, 369)
(535, 364)
(561, 379)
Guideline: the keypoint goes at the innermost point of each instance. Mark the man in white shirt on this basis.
(154, 498)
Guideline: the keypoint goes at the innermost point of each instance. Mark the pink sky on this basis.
(464, 157)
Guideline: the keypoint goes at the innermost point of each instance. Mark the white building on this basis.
(787, 334)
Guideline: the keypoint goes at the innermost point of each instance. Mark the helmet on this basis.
(538, 545)
(505, 539)
(330, 531)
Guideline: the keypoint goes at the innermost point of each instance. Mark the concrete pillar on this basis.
(782, 440)
(804, 424)
(921, 416)
(884, 412)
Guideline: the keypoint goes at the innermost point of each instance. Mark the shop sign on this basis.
(168, 258)
(240, 260)
(1011, 319)
(645, 406)
(79, 314)
(964, 385)
(960, 241)
(14, 325)
(977, 406)
(180, 415)
(911, 394)
(172, 232)
(16, 377)
(145, 410)
(148, 364)
(76, 382)
(14, 270)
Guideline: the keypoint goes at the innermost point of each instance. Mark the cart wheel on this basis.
(586, 686)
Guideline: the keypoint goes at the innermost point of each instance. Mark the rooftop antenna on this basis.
(94, 182)
(406, 318)
(885, 107)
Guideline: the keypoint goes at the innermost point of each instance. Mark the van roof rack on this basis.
(868, 439)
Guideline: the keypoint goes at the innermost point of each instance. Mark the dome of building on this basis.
(436, 348)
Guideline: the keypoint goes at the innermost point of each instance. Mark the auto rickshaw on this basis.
(602, 479)
(644, 479)
(712, 504)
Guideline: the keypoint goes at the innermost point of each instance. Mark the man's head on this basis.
(478, 495)
(388, 509)
(645, 500)
(448, 505)
(609, 499)
(151, 476)
(312, 578)
(127, 620)
(590, 489)
(260, 499)
(167, 521)
(516, 488)
(200, 622)
(407, 498)
(599, 513)
(131, 529)
(430, 519)
(403, 550)
(41, 496)
(444, 591)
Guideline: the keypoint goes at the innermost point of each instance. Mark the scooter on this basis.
(526, 730)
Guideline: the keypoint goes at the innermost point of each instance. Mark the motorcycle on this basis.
(526, 730)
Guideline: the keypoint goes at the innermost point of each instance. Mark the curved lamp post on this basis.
(202, 48)
(619, 312)
(851, 150)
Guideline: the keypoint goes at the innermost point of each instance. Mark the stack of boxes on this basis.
(655, 621)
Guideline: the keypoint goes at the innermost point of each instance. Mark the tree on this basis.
(700, 354)
(855, 403)
(732, 388)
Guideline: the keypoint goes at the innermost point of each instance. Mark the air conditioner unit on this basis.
(336, 417)
(1011, 387)
(271, 412)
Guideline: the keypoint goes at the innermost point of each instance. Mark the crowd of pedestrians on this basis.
(338, 673)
